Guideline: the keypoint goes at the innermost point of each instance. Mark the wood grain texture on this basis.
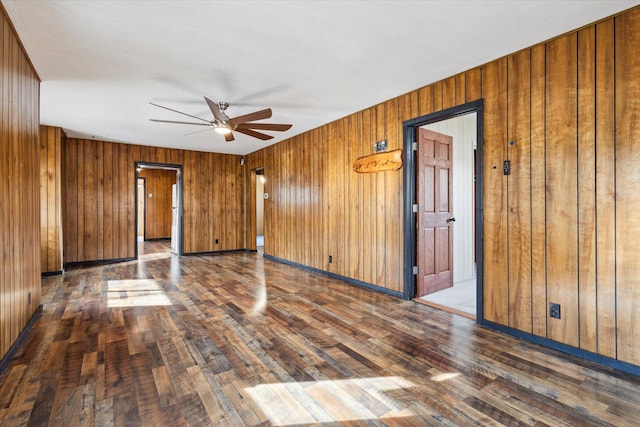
(496, 291)
(588, 291)
(519, 189)
(213, 199)
(562, 197)
(20, 232)
(51, 145)
(316, 351)
(538, 194)
(627, 155)
(605, 189)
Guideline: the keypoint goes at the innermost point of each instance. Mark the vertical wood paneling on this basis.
(206, 201)
(562, 197)
(448, 93)
(51, 142)
(108, 242)
(538, 194)
(605, 190)
(473, 84)
(425, 100)
(519, 190)
(353, 214)
(100, 199)
(550, 228)
(587, 190)
(20, 184)
(627, 157)
(381, 206)
(91, 194)
(494, 91)
(368, 213)
(393, 197)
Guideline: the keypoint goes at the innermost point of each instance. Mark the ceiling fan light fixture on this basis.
(223, 129)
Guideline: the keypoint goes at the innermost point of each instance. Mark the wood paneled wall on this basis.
(158, 213)
(562, 228)
(20, 284)
(51, 146)
(100, 199)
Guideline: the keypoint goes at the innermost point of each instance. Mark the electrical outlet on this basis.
(554, 310)
(330, 259)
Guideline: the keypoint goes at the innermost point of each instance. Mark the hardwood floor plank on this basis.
(236, 339)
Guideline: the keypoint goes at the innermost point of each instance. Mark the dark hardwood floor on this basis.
(236, 339)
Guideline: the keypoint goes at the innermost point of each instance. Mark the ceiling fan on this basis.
(224, 125)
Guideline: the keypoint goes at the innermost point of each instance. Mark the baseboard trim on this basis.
(227, 251)
(52, 273)
(564, 348)
(96, 262)
(21, 338)
(337, 276)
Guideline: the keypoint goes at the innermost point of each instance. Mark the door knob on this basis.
(451, 220)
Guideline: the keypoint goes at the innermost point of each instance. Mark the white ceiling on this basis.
(102, 62)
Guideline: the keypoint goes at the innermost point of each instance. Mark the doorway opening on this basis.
(443, 211)
(159, 213)
(260, 180)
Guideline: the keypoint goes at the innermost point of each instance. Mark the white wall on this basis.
(259, 206)
(463, 131)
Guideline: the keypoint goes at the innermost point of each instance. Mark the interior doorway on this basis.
(159, 213)
(260, 180)
(442, 197)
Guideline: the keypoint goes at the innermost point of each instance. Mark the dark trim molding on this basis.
(23, 336)
(409, 218)
(96, 262)
(52, 273)
(564, 348)
(213, 252)
(336, 276)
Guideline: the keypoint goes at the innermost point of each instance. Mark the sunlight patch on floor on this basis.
(330, 400)
(135, 293)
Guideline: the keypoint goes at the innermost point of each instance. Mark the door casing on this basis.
(410, 129)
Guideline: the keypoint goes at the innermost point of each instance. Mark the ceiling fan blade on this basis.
(257, 115)
(215, 110)
(259, 135)
(197, 131)
(182, 123)
(264, 126)
(180, 112)
(228, 137)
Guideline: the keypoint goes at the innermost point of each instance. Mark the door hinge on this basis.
(414, 208)
(414, 146)
(415, 270)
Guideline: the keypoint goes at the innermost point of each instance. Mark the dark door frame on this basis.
(409, 218)
(144, 220)
(179, 190)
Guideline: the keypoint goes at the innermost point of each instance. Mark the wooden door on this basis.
(435, 236)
